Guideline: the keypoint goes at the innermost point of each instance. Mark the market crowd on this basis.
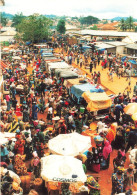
(37, 107)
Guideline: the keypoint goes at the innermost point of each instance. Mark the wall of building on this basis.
(119, 49)
(111, 50)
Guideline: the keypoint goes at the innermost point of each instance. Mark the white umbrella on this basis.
(5, 49)
(5, 136)
(16, 58)
(62, 169)
(69, 144)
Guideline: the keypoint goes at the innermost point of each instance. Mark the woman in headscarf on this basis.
(106, 153)
(118, 181)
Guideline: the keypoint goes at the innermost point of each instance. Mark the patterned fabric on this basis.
(13, 127)
(19, 146)
(36, 161)
(117, 184)
(92, 183)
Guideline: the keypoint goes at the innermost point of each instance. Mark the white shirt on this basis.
(50, 110)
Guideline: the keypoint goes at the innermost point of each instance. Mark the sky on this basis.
(103, 9)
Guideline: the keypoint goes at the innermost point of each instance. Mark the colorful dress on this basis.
(117, 184)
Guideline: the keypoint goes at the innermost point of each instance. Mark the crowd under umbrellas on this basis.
(43, 95)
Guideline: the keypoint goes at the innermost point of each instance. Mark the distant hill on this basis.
(50, 16)
(119, 18)
(10, 16)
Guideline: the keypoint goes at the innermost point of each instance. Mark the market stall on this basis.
(68, 74)
(70, 82)
(62, 170)
(59, 70)
(69, 144)
(97, 101)
(78, 90)
(56, 65)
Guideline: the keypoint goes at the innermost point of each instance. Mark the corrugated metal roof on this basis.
(104, 46)
(116, 43)
(105, 33)
(132, 46)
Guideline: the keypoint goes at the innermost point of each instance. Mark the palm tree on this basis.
(123, 25)
(4, 20)
(130, 23)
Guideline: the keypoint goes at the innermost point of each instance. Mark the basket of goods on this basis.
(38, 184)
(75, 187)
(93, 185)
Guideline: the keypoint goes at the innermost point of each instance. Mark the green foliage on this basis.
(89, 20)
(105, 22)
(61, 26)
(35, 28)
(136, 29)
(123, 25)
(3, 19)
(130, 24)
(94, 27)
(17, 19)
(127, 24)
(74, 18)
(63, 18)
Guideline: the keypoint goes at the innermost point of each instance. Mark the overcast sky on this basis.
(98, 8)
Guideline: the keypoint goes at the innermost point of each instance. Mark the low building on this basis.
(8, 35)
(105, 47)
(120, 46)
(132, 49)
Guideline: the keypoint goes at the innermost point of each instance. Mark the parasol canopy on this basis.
(134, 116)
(62, 169)
(16, 58)
(131, 108)
(5, 136)
(5, 49)
(69, 144)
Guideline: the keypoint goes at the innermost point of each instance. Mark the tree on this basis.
(35, 28)
(94, 27)
(61, 26)
(105, 22)
(17, 19)
(88, 20)
(3, 19)
(74, 18)
(123, 25)
(130, 24)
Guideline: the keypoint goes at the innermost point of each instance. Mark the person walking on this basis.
(135, 89)
(98, 60)
(35, 110)
(91, 66)
(132, 139)
(81, 61)
(102, 64)
(7, 97)
(118, 181)
(128, 89)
